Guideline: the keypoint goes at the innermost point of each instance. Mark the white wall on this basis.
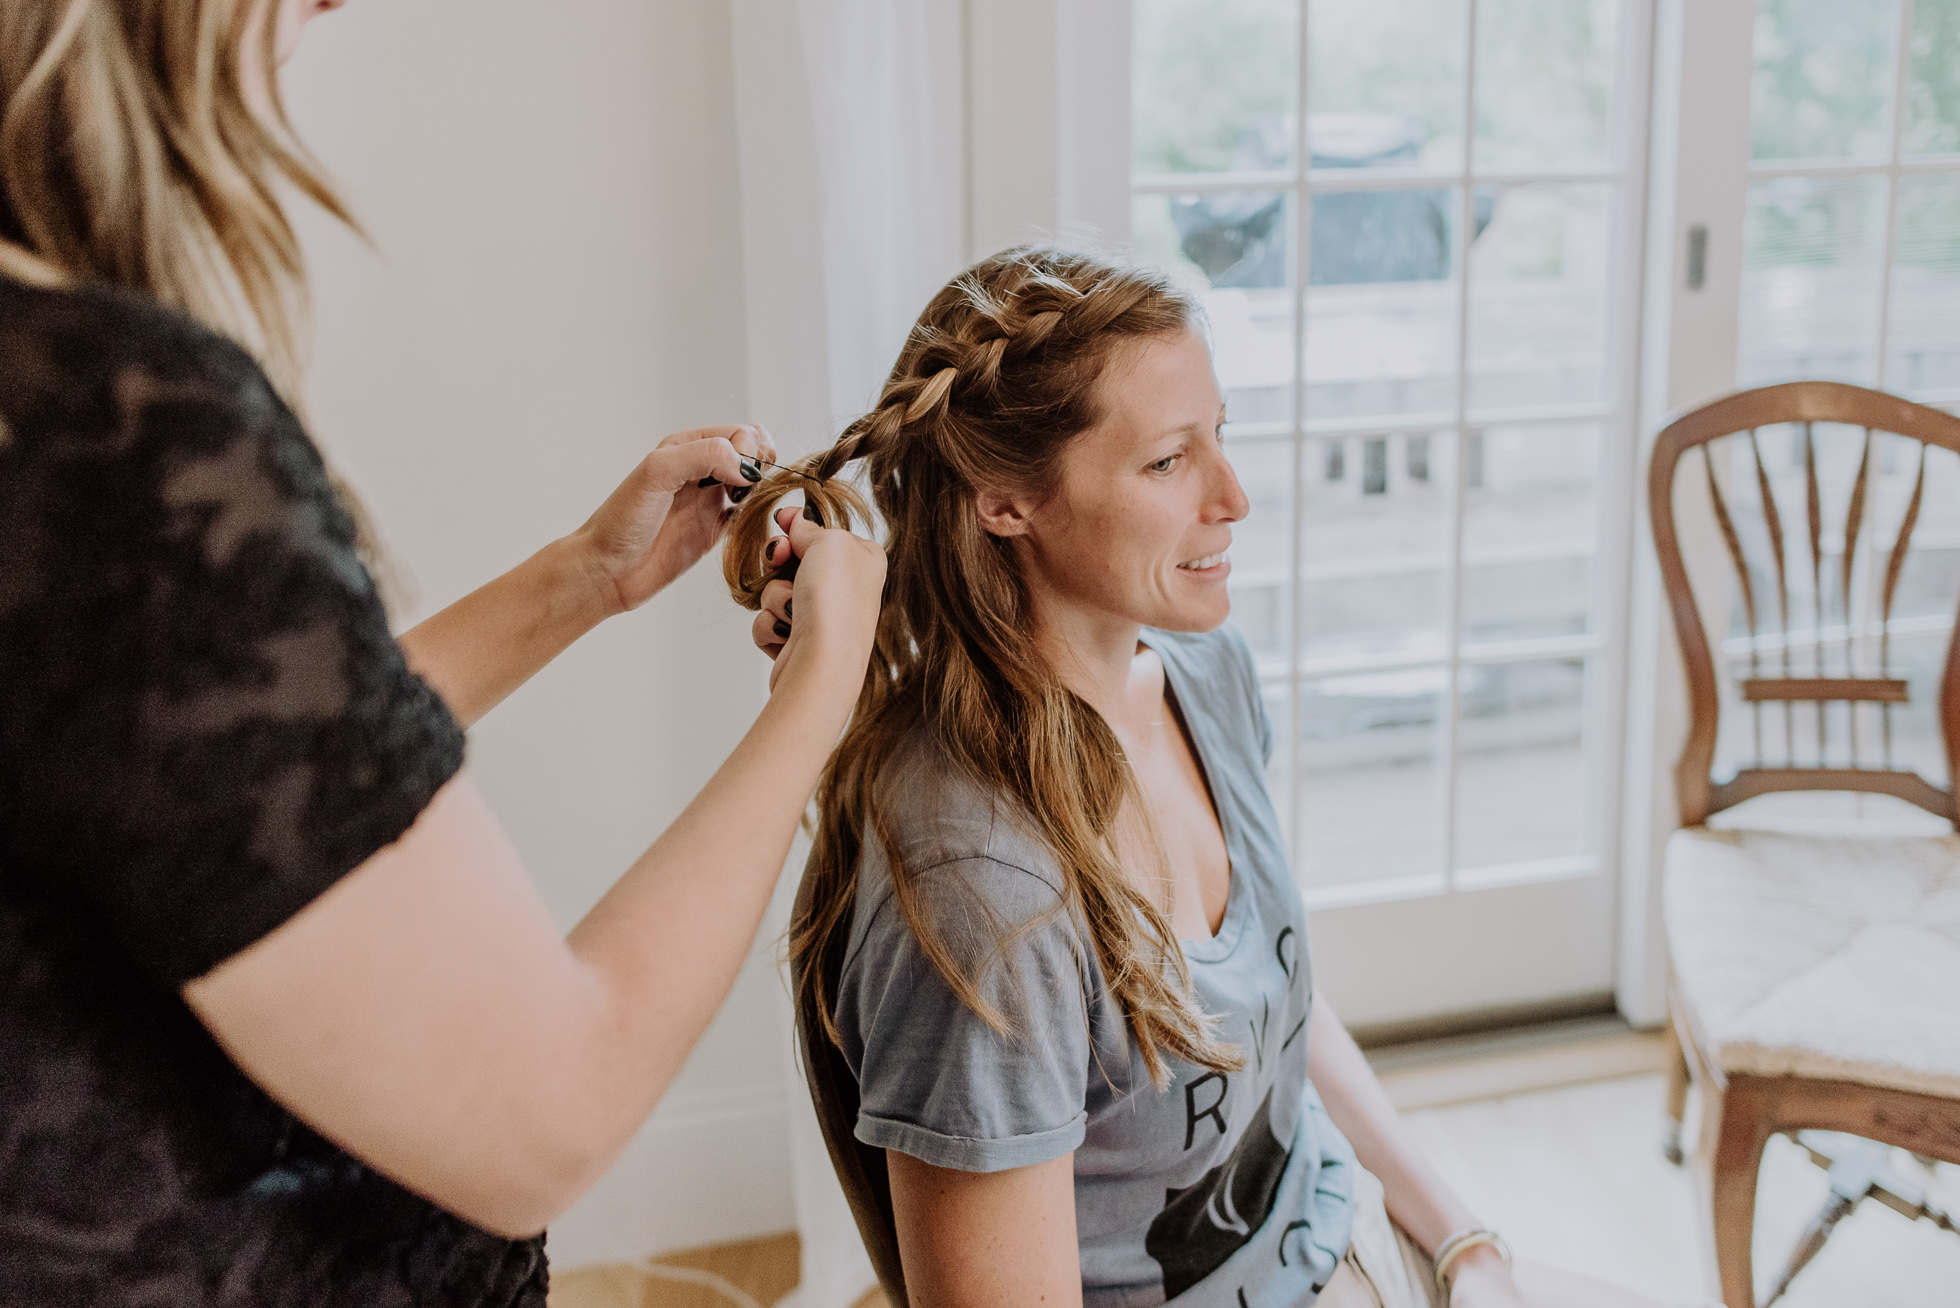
(553, 191)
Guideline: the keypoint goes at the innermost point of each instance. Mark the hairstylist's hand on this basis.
(661, 520)
(829, 614)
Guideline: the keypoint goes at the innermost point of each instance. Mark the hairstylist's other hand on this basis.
(828, 616)
(662, 519)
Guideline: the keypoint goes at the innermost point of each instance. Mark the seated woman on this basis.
(1069, 965)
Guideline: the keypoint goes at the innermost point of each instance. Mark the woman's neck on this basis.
(1096, 657)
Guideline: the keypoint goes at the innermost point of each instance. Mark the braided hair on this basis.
(999, 374)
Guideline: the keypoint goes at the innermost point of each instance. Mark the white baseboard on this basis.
(704, 1170)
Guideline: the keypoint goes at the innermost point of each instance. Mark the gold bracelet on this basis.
(1461, 1243)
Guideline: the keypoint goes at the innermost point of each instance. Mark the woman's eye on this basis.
(1164, 464)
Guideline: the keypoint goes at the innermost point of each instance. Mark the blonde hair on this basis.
(999, 374)
(131, 154)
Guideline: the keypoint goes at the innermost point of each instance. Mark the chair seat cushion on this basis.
(1829, 955)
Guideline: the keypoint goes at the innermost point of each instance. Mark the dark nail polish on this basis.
(740, 493)
(705, 482)
(811, 512)
(752, 470)
(788, 571)
(789, 608)
(782, 629)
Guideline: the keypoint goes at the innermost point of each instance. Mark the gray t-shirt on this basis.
(1233, 1190)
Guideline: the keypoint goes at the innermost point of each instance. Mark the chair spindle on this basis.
(1773, 521)
(1854, 521)
(1734, 542)
(1814, 512)
(1894, 566)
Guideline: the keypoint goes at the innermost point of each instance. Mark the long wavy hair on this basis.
(999, 374)
(131, 154)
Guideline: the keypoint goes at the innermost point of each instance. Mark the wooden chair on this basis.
(834, 1092)
(1814, 977)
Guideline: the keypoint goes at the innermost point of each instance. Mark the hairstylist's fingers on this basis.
(763, 632)
(777, 600)
(765, 444)
(744, 436)
(751, 440)
(700, 462)
(779, 556)
(803, 532)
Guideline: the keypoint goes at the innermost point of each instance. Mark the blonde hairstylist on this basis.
(282, 1020)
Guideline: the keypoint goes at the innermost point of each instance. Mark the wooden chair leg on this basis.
(1738, 1155)
(1677, 1095)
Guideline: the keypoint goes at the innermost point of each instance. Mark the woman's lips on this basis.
(1209, 563)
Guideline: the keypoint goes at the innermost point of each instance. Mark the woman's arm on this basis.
(654, 527)
(1419, 1200)
(424, 1013)
(986, 1239)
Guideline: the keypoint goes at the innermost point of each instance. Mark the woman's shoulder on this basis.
(1220, 652)
(966, 843)
(56, 340)
(936, 813)
(116, 412)
(1216, 665)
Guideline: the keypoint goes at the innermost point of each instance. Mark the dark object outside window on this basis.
(1374, 466)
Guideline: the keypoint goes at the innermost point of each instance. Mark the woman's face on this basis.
(1141, 516)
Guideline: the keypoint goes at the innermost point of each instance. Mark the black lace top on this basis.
(203, 724)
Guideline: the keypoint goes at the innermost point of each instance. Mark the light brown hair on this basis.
(999, 374)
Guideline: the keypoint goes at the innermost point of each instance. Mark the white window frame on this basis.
(1048, 153)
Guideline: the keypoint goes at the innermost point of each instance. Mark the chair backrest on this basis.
(1817, 585)
(834, 1091)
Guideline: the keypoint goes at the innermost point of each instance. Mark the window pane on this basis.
(1234, 247)
(1545, 84)
(1529, 532)
(1810, 279)
(1213, 84)
(1823, 68)
(1369, 803)
(1538, 277)
(1924, 336)
(1932, 123)
(1375, 546)
(1260, 552)
(1381, 310)
(1521, 763)
(1385, 83)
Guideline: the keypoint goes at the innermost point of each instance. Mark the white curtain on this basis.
(853, 214)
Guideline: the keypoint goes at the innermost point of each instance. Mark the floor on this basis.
(1552, 1134)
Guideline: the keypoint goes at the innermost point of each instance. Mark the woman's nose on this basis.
(1228, 497)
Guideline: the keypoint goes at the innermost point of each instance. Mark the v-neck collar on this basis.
(1196, 735)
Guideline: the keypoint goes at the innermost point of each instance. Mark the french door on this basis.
(1415, 226)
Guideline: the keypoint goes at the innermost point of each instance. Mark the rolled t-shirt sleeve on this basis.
(206, 721)
(936, 1080)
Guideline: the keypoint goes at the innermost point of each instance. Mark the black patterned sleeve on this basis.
(204, 721)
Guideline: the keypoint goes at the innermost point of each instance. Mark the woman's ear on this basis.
(1002, 515)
